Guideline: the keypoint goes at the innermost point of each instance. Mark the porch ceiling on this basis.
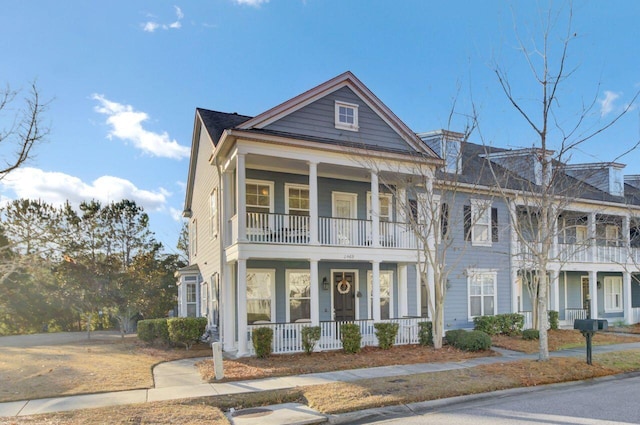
(294, 166)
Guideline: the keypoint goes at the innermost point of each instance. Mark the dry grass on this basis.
(560, 340)
(295, 364)
(82, 367)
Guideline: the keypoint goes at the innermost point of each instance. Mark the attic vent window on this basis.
(346, 116)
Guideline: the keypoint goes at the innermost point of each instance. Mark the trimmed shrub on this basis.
(262, 339)
(186, 330)
(425, 333)
(350, 337)
(510, 324)
(554, 319)
(530, 334)
(310, 337)
(451, 337)
(153, 331)
(474, 341)
(487, 324)
(386, 334)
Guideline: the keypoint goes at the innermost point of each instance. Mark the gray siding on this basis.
(318, 120)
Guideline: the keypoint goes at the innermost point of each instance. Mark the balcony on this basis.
(295, 230)
(584, 253)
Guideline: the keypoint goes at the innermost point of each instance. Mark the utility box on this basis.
(218, 366)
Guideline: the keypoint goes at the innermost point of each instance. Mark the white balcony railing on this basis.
(287, 337)
(582, 253)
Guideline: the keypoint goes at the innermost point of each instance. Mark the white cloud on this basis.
(126, 124)
(254, 3)
(151, 26)
(175, 213)
(607, 104)
(57, 188)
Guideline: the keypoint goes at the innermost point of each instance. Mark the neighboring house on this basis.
(290, 225)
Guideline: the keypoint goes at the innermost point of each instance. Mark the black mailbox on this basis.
(586, 324)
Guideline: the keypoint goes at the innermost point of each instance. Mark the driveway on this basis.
(56, 338)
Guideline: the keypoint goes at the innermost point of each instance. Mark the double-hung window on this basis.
(612, 293)
(259, 204)
(482, 292)
(213, 213)
(480, 223)
(346, 116)
(260, 295)
(298, 295)
(191, 295)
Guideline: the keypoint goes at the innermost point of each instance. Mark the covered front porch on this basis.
(287, 295)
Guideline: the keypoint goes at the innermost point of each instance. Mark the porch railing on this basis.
(277, 228)
(635, 315)
(528, 319)
(571, 314)
(287, 337)
(584, 253)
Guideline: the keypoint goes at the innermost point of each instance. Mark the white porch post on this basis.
(593, 293)
(592, 236)
(242, 307)
(626, 297)
(514, 259)
(375, 211)
(402, 291)
(555, 290)
(375, 290)
(315, 293)
(241, 197)
(228, 309)
(313, 204)
(418, 293)
(226, 208)
(401, 205)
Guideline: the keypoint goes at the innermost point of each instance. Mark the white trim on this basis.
(352, 197)
(612, 234)
(288, 292)
(345, 125)
(380, 196)
(582, 298)
(611, 281)
(356, 288)
(213, 218)
(480, 208)
(471, 274)
(288, 186)
(272, 289)
(269, 183)
(370, 292)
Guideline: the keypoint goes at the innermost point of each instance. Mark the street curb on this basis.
(422, 407)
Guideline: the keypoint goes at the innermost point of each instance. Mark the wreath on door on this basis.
(344, 286)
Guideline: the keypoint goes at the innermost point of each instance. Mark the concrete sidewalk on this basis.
(180, 379)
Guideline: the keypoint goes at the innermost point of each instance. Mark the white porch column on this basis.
(418, 293)
(226, 208)
(403, 308)
(227, 309)
(592, 236)
(626, 297)
(593, 293)
(514, 258)
(555, 290)
(313, 204)
(315, 293)
(242, 308)
(375, 212)
(375, 290)
(401, 205)
(241, 197)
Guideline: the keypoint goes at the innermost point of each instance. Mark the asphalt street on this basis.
(609, 401)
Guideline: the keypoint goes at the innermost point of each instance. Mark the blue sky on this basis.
(125, 77)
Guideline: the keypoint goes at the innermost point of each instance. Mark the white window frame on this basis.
(613, 294)
(611, 235)
(192, 282)
(213, 213)
(584, 234)
(287, 207)
(289, 272)
(480, 218)
(252, 229)
(272, 290)
(268, 183)
(477, 275)
(345, 125)
(381, 196)
(370, 291)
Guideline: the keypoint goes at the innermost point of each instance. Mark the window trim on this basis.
(269, 183)
(343, 125)
(213, 213)
(385, 195)
(475, 273)
(272, 289)
(370, 293)
(193, 238)
(609, 281)
(476, 206)
(611, 241)
(288, 295)
(288, 186)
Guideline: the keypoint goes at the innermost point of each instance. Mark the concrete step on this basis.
(279, 414)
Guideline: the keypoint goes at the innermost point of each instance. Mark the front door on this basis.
(344, 213)
(344, 299)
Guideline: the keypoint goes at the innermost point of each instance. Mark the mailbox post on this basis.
(589, 327)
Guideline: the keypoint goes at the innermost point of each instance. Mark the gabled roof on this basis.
(346, 79)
